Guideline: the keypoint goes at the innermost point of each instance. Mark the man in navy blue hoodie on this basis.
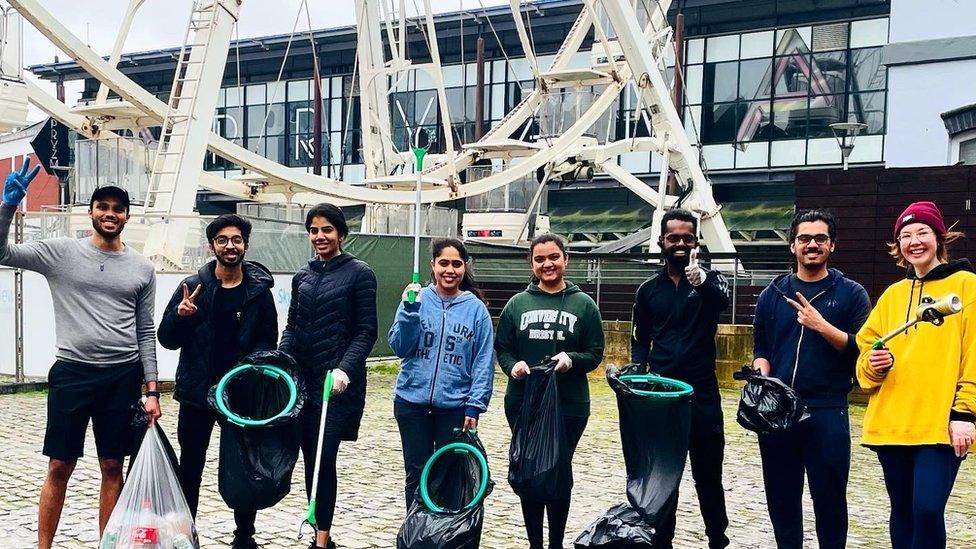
(804, 336)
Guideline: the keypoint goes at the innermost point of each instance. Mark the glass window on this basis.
(423, 80)
(455, 103)
(693, 84)
(298, 90)
(789, 118)
(233, 97)
(255, 145)
(232, 124)
(255, 120)
(718, 157)
(754, 121)
(868, 72)
(335, 115)
(755, 76)
(752, 155)
(453, 75)
(794, 39)
(275, 92)
(720, 82)
(718, 124)
(300, 117)
(274, 148)
(693, 116)
(830, 37)
(254, 94)
(757, 44)
(275, 120)
(791, 75)
(788, 153)
(823, 151)
(967, 152)
(872, 32)
(824, 111)
(722, 48)
(497, 101)
(221, 97)
(828, 73)
(521, 69)
(868, 108)
(695, 51)
(868, 148)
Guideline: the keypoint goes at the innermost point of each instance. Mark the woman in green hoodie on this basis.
(551, 318)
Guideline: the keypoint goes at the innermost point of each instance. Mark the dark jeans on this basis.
(919, 480)
(706, 447)
(193, 431)
(422, 430)
(325, 499)
(557, 511)
(821, 446)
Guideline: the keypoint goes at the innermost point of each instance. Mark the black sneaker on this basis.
(244, 543)
(331, 545)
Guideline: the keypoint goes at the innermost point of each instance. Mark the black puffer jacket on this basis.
(194, 334)
(332, 324)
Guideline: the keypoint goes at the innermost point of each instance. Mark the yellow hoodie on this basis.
(935, 366)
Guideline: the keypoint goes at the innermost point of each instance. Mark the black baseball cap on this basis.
(110, 191)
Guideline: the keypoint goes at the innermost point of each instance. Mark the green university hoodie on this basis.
(535, 325)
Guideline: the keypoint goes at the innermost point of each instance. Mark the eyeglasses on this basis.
(237, 240)
(685, 238)
(807, 238)
(920, 235)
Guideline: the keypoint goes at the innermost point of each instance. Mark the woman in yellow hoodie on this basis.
(921, 410)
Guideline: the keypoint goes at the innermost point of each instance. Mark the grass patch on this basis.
(388, 368)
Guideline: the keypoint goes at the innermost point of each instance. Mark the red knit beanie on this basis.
(921, 212)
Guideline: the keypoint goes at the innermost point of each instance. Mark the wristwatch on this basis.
(152, 394)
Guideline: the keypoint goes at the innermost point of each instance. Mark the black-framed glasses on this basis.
(807, 238)
(222, 240)
(685, 238)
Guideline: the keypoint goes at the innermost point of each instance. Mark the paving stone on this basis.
(371, 506)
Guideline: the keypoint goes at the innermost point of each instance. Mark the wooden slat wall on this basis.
(866, 202)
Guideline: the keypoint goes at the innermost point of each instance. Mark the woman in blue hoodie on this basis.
(445, 340)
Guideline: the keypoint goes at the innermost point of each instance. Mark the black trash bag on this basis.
(767, 404)
(620, 528)
(256, 463)
(654, 433)
(452, 483)
(539, 467)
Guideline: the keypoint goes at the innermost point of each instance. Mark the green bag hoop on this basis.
(268, 370)
(459, 447)
(674, 387)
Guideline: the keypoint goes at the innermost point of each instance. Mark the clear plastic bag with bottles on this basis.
(151, 511)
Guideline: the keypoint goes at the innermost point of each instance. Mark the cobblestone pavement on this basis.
(370, 504)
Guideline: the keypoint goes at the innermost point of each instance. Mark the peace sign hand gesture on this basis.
(187, 307)
(15, 186)
(806, 314)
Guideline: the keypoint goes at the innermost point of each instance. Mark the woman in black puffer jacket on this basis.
(331, 326)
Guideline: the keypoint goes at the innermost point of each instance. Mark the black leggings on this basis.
(422, 430)
(558, 511)
(325, 499)
(193, 429)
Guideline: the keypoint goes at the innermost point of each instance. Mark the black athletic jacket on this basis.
(332, 324)
(193, 335)
(675, 325)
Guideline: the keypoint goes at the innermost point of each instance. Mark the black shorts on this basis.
(105, 394)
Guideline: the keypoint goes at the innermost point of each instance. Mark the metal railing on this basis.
(612, 279)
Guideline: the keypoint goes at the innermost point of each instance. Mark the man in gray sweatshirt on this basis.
(103, 293)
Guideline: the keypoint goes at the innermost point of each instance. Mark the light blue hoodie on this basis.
(446, 347)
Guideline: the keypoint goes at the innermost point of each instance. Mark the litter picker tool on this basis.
(326, 392)
(418, 153)
(928, 310)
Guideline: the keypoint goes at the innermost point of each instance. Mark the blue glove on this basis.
(15, 187)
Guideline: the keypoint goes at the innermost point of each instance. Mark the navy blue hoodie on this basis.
(801, 358)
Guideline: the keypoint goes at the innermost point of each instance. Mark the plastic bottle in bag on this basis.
(180, 541)
(109, 540)
(146, 532)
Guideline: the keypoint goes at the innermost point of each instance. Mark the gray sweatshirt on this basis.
(103, 301)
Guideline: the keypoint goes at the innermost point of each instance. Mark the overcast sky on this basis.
(162, 23)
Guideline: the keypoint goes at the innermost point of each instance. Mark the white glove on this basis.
(563, 362)
(415, 287)
(520, 370)
(693, 272)
(340, 381)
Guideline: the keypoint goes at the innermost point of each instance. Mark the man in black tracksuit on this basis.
(676, 314)
(803, 335)
(218, 316)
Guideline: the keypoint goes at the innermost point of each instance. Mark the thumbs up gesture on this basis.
(693, 272)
